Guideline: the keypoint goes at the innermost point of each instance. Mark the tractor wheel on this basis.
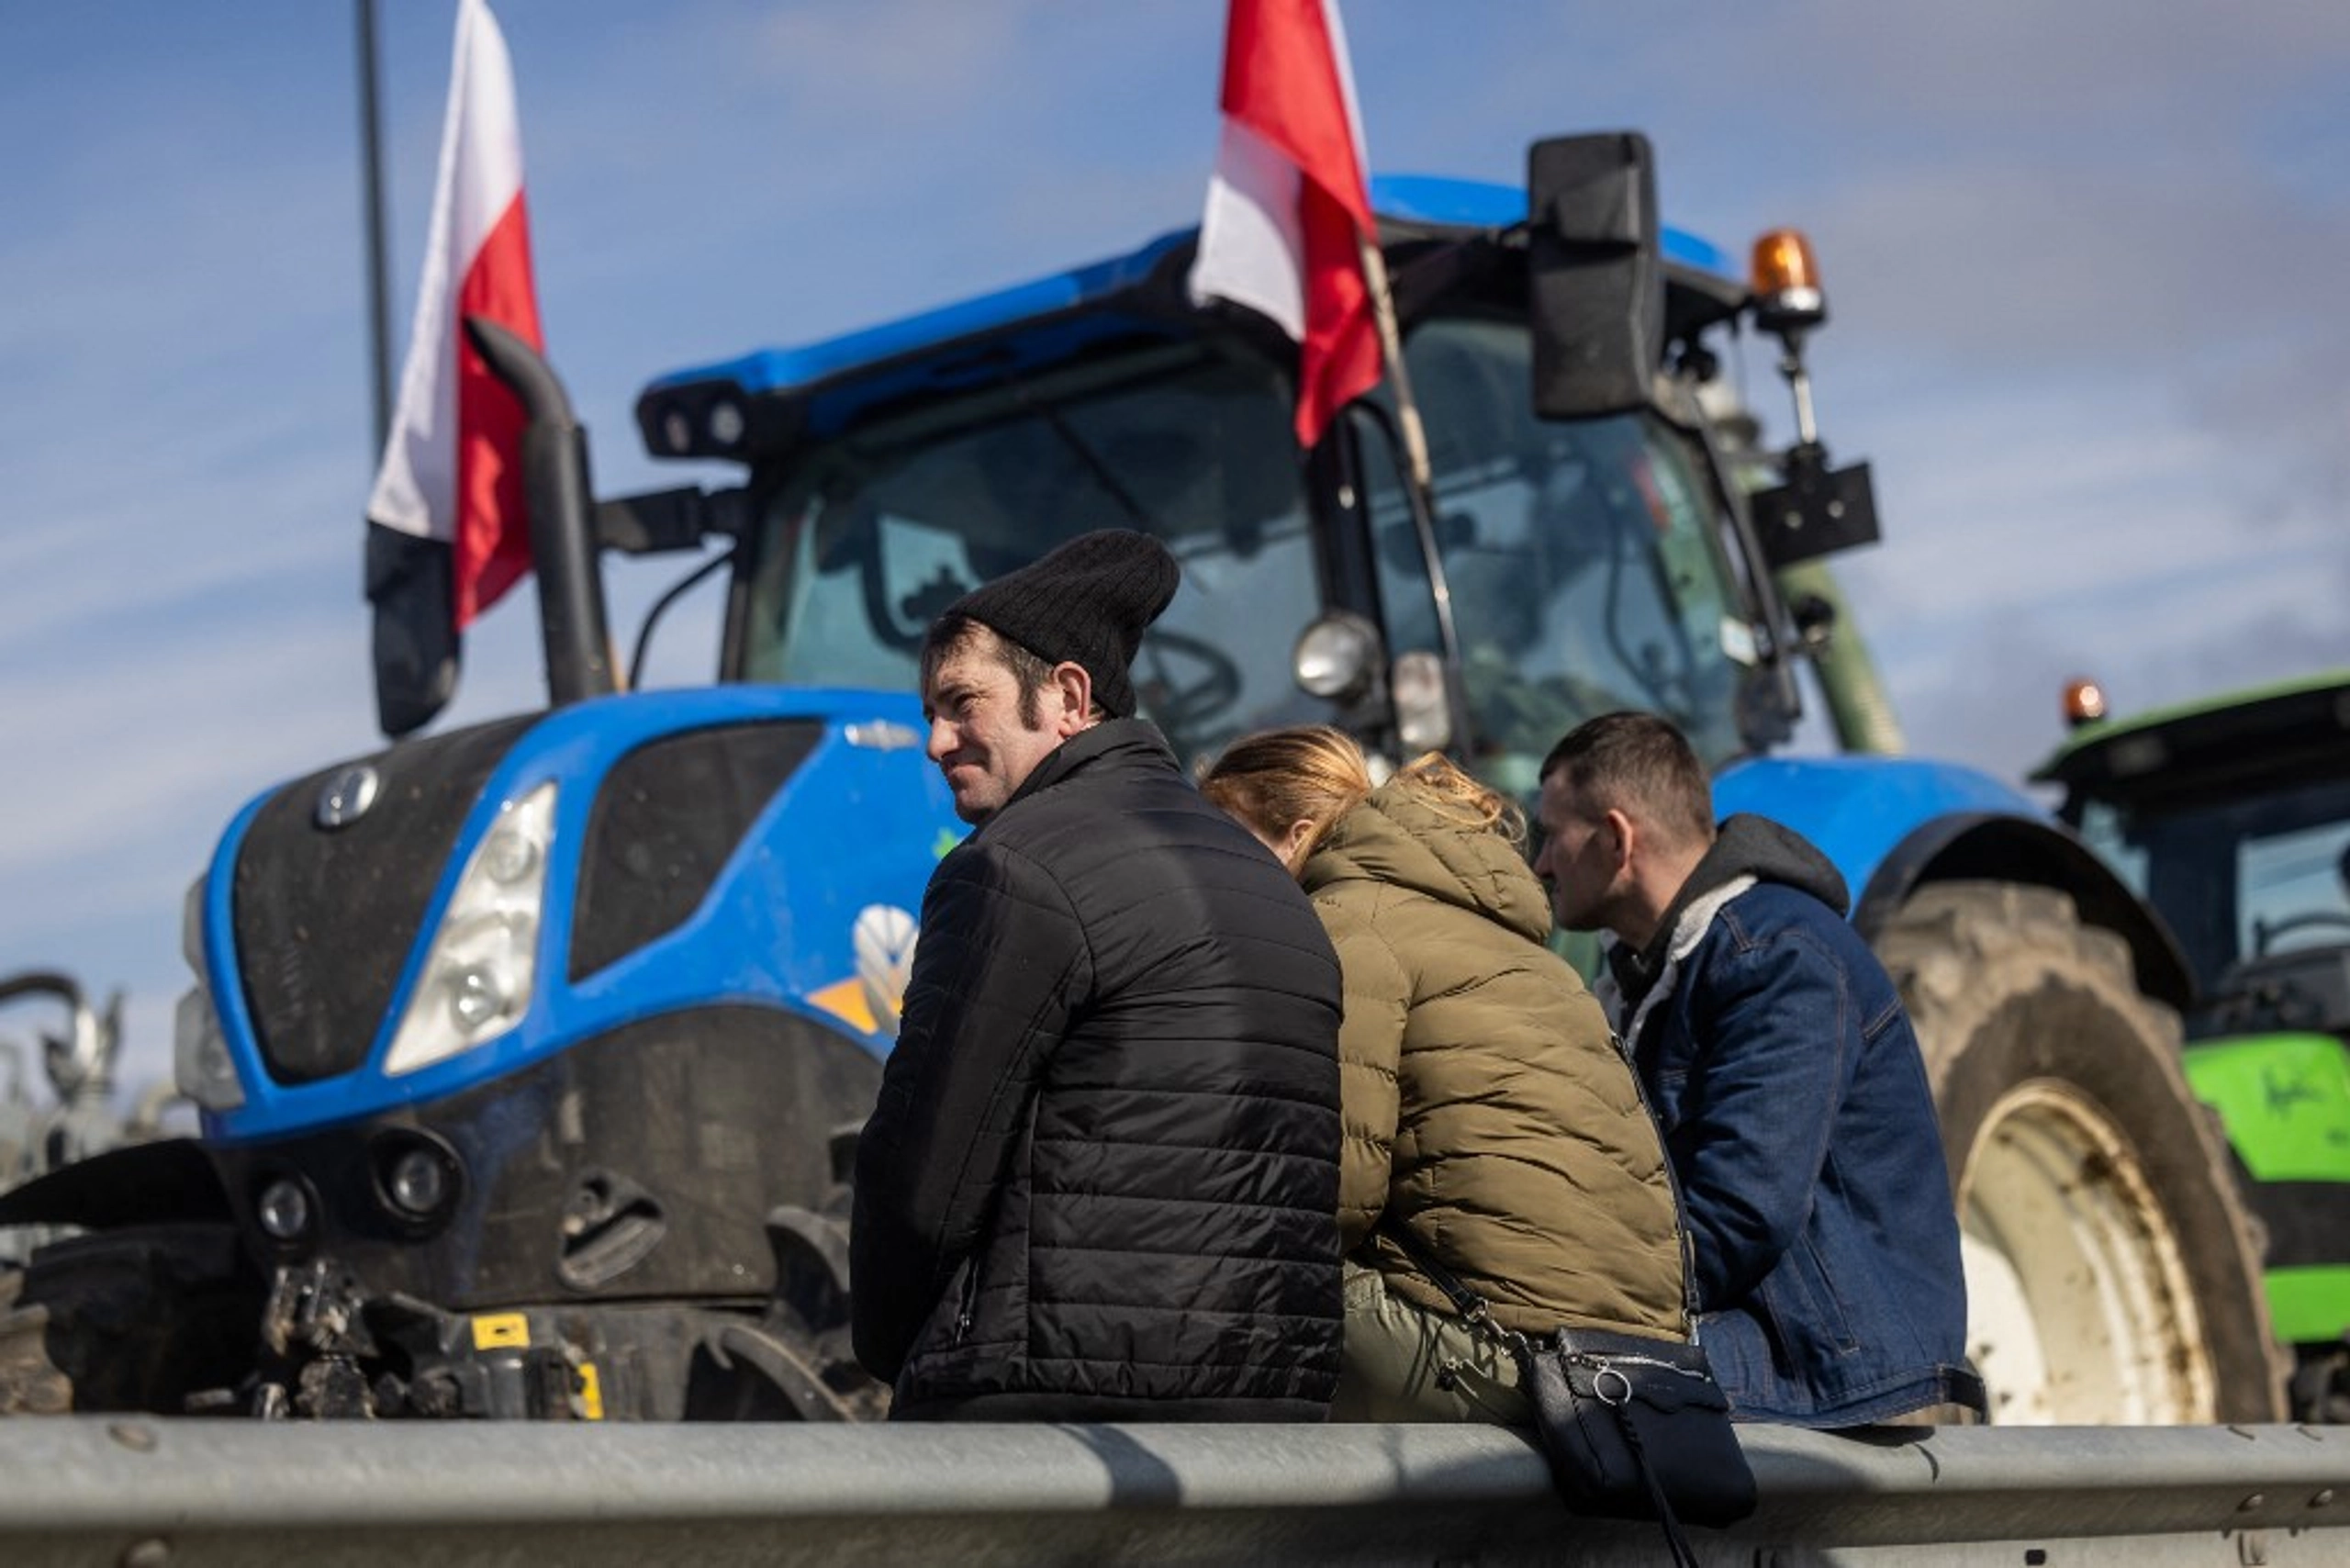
(127, 1320)
(31, 1381)
(2113, 1274)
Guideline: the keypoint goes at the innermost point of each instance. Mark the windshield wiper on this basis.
(1103, 475)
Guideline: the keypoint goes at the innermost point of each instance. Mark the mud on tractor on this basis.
(528, 1053)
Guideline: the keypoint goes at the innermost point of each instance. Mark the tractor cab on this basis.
(2231, 817)
(1558, 567)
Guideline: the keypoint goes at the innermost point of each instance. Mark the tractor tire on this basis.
(2113, 1273)
(135, 1320)
(31, 1384)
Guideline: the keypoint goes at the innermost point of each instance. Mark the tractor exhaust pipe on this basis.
(571, 622)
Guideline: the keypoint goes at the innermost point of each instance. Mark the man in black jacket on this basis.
(1101, 1180)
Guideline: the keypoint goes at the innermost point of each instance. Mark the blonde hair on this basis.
(1435, 783)
(1305, 773)
(1314, 773)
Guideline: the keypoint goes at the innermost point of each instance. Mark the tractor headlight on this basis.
(191, 927)
(283, 1210)
(483, 960)
(418, 1183)
(725, 423)
(1336, 658)
(200, 1064)
(416, 1178)
(1423, 706)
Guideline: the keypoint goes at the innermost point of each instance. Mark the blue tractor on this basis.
(529, 1053)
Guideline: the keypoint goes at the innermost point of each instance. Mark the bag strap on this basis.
(1474, 1309)
(1675, 1542)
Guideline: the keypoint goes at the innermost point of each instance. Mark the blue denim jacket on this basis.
(1792, 1099)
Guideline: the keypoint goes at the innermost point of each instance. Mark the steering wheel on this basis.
(1180, 698)
(2264, 934)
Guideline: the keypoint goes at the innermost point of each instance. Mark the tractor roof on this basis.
(2260, 737)
(1071, 309)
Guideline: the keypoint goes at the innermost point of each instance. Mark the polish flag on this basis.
(452, 464)
(1288, 209)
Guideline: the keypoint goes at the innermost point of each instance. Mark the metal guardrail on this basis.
(140, 1493)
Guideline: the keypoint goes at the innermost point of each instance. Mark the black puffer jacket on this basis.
(1101, 1181)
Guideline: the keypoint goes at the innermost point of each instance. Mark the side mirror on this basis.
(1596, 277)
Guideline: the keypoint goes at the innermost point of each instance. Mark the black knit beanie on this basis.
(1087, 603)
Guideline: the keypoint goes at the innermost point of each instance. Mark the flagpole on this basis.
(1391, 349)
(371, 164)
(1420, 488)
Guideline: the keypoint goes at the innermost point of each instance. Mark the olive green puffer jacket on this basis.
(1486, 1106)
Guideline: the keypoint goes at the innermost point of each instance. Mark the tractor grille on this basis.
(666, 822)
(326, 917)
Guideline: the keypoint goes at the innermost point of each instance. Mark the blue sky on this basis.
(2085, 263)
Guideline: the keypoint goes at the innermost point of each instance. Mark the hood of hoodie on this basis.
(1395, 837)
(1746, 845)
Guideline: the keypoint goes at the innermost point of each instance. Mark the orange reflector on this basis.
(2084, 701)
(1783, 264)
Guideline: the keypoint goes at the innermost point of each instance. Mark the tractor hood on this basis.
(403, 926)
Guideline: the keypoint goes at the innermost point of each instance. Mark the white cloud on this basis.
(2085, 528)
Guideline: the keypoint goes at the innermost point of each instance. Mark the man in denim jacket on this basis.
(1784, 1076)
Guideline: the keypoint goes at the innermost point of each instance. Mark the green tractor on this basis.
(2232, 818)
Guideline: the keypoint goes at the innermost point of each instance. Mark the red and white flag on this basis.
(1288, 209)
(452, 464)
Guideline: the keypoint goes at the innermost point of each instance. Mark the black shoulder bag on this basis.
(1634, 1428)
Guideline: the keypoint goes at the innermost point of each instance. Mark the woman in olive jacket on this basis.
(1487, 1110)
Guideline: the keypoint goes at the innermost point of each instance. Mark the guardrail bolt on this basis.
(152, 1552)
(132, 1436)
(2255, 1501)
(2322, 1498)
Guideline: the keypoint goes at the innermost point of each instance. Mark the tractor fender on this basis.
(1990, 846)
(1893, 825)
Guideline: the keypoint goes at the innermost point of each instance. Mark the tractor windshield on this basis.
(1583, 559)
(2252, 877)
(889, 524)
